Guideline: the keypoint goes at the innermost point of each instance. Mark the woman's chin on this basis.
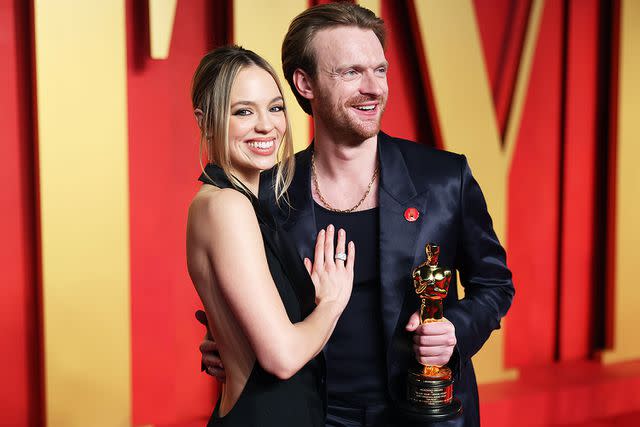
(264, 164)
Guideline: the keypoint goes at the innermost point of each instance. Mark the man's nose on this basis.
(371, 84)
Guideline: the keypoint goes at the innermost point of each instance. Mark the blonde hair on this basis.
(210, 92)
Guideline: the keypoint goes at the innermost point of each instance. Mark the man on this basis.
(392, 197)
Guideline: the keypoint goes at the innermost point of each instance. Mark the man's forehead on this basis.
(342, 46)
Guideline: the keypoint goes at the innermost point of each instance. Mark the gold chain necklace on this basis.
(326, 204)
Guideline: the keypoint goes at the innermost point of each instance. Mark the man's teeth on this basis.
(366, 107)
(262, 144)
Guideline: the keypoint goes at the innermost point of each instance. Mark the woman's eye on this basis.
(277, 108)
(242, 112)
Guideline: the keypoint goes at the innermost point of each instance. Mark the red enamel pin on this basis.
(411, 214)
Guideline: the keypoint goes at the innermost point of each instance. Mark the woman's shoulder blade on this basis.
(217, 203)
(219, 209)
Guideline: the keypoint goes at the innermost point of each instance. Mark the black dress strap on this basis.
(215, 175)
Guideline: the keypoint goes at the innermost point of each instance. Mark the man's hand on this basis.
(433, 342)
(211, 362)
(211, 359)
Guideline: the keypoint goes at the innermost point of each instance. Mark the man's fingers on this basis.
(432, 361)
(435, 328)
(212, 360)
(432, 351)
(308, 265)
(218, 373)
(201, 317)
(414, 322)
(208, 346)
(435, 340)
(210, 355)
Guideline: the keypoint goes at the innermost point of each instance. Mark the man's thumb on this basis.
(413, 323)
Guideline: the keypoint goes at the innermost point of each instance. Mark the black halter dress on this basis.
(267, 400)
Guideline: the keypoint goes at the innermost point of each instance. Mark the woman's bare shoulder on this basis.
(218, 209)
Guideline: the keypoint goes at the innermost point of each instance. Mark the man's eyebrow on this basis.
(343, 67)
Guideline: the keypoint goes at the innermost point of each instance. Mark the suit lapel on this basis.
(299, 218)
(398, 236)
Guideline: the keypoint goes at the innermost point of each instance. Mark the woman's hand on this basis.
(332, 278)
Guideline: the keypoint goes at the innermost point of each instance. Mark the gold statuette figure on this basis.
(430, 388)
(431, 283)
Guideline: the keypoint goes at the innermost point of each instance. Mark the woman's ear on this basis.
(199, 116)
(303, 83)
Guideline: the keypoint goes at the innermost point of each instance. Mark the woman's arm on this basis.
(224, 226)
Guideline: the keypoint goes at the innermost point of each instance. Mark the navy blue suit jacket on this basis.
(453, 214)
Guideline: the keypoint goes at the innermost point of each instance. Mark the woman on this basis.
(258, 297)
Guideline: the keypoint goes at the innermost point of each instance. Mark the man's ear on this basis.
(199, 115)
(303, 83)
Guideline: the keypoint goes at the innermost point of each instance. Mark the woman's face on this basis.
(256, 122)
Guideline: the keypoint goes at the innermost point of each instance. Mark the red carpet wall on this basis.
(99, 150)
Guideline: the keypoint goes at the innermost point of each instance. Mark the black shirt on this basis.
(355, 354)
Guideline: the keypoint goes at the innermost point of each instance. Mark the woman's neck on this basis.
(250, 179)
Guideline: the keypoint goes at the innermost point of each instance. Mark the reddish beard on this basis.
(345, 125)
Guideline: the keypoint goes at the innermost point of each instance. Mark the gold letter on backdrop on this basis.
(261, 26)
(372, 5)
(162, 14)
(462, 96)
(80, 55)
(626, 298)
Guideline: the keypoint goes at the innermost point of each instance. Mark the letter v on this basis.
(452, 58)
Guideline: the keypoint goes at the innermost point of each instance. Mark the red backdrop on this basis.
(557, 188)
(19, 357)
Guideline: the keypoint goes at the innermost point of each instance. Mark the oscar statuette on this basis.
(430, 388)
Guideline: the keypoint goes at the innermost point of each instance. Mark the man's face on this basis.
(350, 88)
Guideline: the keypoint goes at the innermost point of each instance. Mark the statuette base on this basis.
(429, 397)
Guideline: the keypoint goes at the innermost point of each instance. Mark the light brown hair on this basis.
(296, 47)
(211, 93)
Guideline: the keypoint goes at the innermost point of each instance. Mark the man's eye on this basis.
(350, 74)
(242, 112)
(381, 71)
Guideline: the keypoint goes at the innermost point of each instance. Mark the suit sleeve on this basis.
(481, 262)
